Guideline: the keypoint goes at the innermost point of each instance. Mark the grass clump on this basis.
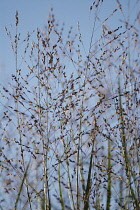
(70, 137)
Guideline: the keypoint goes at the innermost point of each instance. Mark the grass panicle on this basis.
(70, 116)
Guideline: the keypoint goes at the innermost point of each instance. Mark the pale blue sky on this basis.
(33, 14)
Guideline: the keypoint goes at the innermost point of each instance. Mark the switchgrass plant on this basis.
(70, 134)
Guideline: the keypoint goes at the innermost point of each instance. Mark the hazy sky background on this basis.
(34, 13)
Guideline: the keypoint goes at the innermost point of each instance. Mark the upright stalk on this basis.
(124, 149)
(108, 202)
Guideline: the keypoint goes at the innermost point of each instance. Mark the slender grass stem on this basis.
(108, 202)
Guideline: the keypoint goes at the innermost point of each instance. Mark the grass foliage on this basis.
(70, 136)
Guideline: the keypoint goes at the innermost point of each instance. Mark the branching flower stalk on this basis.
(16, 97)
(124, 148)
(63, 153)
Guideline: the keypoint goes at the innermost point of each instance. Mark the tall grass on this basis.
(70, 135)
